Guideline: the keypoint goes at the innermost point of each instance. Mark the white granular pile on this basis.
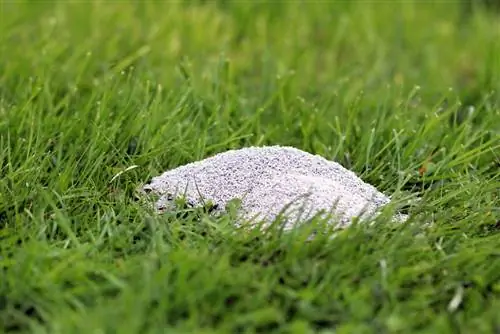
(270, 181)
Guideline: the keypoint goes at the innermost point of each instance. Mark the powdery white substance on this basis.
(270, 181)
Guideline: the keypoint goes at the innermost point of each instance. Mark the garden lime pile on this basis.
(270, 181)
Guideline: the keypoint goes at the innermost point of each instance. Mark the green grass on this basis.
(91, 88)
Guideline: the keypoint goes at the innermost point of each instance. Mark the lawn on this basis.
(96, 97)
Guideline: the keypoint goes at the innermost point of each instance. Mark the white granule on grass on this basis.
(270, 181)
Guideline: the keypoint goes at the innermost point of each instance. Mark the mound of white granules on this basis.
(270, 181)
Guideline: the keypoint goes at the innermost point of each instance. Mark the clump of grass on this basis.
(90, 90)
